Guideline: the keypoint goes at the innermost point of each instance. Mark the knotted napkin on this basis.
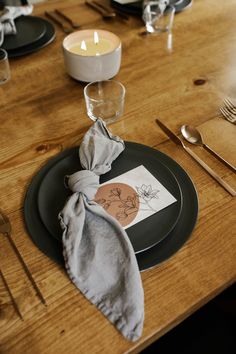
(7, 17)
(99, 257)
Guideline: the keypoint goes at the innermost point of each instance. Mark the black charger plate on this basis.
(53, 194)
(29, 30)
(47, 38)
(147, 259)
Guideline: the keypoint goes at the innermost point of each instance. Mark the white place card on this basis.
(133, 196)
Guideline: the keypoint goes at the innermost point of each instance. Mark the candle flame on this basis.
(83, 45)
(95, 37)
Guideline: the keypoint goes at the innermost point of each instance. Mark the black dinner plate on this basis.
(136, 8)
(47, 38)
(29, 30)
(53, 194)
(50, 246)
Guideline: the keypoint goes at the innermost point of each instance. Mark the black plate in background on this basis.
(136, 8)
(155, 255)
(47, 38)
(53, 194)
(29, 30)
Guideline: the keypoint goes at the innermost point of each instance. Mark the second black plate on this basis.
(47, 38)
(29, 30)
(154, 255)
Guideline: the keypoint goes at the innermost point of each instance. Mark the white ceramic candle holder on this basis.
(92, 55)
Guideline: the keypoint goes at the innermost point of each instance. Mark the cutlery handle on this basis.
(11, 296)
(26, 269)
(53, 18)
(112, 11)
(98, 9)
(226, 163)
(59, 12)
(213, 174)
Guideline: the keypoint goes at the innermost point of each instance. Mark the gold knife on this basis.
(213, 174)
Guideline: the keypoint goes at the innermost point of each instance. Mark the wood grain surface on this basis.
(42, 112)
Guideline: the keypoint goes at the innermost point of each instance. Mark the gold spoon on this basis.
(193, 136)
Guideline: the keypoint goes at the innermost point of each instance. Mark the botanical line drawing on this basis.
(146, 194)
(131, 203)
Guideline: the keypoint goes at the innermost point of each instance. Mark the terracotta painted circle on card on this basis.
(120, 200)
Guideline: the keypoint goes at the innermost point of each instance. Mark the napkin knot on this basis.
(85, 181)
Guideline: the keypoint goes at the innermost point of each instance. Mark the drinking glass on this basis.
(4, 67)
(104, 100)
(158, 16)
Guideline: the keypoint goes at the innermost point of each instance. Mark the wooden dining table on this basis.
(42, 113)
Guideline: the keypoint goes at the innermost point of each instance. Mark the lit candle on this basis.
(92, 55)
(93, 46)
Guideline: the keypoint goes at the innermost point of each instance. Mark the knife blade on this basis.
(212, 173)
(169, 133)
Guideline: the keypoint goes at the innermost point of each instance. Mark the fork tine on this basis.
(228, 115)
(225, 113)
(230, 105)
(231, 116)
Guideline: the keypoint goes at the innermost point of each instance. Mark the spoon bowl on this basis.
(192, 135)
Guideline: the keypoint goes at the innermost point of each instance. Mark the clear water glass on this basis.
(158, 16)
(4, 67)
(105, 100)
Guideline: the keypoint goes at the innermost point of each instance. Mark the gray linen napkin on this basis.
(98, 255)
(7, 16)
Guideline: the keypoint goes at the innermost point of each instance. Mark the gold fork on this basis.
(229, 111)
(5, 229)
(229, 104)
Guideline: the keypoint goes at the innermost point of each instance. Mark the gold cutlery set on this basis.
(212, 173)
(68, 25)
